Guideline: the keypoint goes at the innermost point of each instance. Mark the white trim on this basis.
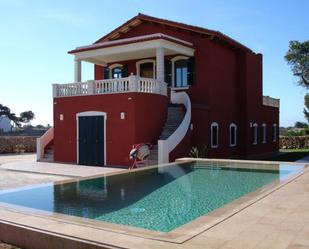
(264, 133)
(90, 113)
(136, 38)
(274, 132)
(173, 60)
(138, 66)
(214, 124)
(129, 51)
(235, 134)
(255, 133)
(180, 88)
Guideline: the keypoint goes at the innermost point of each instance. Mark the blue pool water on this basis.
(159, 199)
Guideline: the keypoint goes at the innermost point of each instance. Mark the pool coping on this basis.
(180, 234)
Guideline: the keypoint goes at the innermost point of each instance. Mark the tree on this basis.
(298, 57)
(16, 120)
(299, 124)
(4, 110)
(306, 109)
(27, 116)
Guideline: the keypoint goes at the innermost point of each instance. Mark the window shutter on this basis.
(125, 71)
(191, 71)
(106, 73)
(168, 72)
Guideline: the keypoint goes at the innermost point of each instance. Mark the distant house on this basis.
(168, 83)
(5, 124)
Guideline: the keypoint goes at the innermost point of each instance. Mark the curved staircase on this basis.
(175, 114)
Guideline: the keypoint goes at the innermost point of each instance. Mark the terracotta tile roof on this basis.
(142, 17)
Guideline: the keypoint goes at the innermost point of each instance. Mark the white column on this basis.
(160, 63)
(77, 70)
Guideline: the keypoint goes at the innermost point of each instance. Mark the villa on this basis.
(167, 83)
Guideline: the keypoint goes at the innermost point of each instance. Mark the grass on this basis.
(289, 155)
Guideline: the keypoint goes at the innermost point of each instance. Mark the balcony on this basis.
(111, 86)
(269, 101)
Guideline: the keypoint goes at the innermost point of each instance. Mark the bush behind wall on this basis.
(16, 144)
(294, 142)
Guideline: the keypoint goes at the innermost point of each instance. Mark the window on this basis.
(117, 73)
(274, 132)
(233, 134)
(254, 133)
(146, 68)
(264, 132)
(181, 73)
(214, 129)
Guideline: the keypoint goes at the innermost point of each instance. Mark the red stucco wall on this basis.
(228, 89)
(144, 117)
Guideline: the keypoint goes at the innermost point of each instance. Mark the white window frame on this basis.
(264, 133)
(139, 63)
(111, 67)
(214, 124)
(173, 60)
(274, 133)
(255, 133)
(235, 134)
(90, 113)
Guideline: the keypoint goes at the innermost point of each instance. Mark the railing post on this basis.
(90, 87)
(133, 83)
(55, 90)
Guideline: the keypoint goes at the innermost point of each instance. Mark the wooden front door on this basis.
(91, 140)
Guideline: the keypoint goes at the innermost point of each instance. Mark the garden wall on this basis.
(294, 142)
(17, 144)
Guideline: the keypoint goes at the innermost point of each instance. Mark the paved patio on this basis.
(28, 164)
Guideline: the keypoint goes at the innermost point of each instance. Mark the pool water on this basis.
(159, 199)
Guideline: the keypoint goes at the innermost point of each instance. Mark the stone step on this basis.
(154, 147)
(49, 151)
(154, 151)
(152, 162)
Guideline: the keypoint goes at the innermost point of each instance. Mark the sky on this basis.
(36, 35)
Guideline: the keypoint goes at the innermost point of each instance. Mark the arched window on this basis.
(214, 133)
(146, 68)
(233, 135)
(254, 133)
(115, 71)
(264, 133)
(274, 132)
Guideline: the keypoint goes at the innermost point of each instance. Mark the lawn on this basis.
(289, 155)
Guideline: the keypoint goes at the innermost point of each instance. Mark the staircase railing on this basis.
(168, 145)
(43, 141)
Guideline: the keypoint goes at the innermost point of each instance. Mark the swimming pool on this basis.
(158, 198)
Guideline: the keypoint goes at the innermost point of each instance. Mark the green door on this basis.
(91, 140)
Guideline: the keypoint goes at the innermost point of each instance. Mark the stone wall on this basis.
(17, 144)
(294, 142)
